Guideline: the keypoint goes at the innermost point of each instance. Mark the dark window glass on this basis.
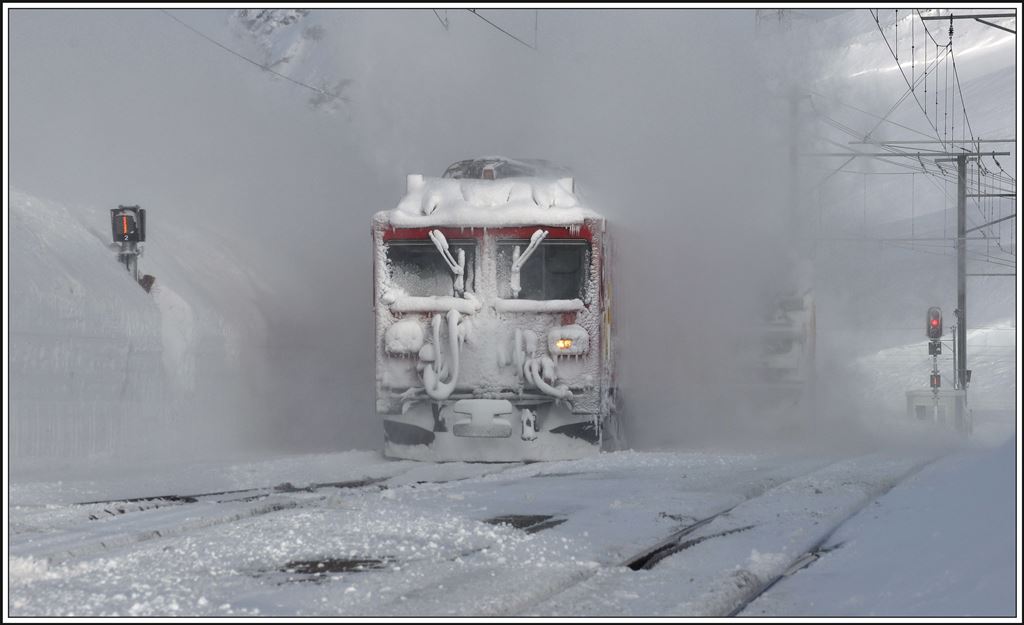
(418, 268)
(555, 270)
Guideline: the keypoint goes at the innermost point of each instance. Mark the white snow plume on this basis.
(675, 123)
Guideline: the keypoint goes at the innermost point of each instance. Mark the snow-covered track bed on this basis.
(586, 516)
(61, 533)
(543, 538)
(722, 562)
(147, 524)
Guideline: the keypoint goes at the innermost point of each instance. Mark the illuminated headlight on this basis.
(571, 340)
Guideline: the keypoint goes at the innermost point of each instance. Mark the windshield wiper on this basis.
(458, 268)
(518, 260)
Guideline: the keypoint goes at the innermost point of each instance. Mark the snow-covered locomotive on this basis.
(493, 317)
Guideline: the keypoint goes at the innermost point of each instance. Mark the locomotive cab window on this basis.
(419, 268)
(557, 269)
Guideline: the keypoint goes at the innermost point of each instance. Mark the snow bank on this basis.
(101, 369)
(992, 394)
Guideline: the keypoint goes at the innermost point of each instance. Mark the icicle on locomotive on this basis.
(493, 321)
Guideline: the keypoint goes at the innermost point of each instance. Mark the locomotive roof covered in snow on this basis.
(495, 167)
(490, 192)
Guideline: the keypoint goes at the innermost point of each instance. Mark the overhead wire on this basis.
(902, 73)
(875, 127)
(262, 66)
(952, 94)
(948, 127)
(532, 47)
(991, 203)
(875, 115)
(881, 120)
(999, 165)
(947, 138)
(945, 94)
(936, 90)
(444, 22)
(895, 151)
(914, 169)
(948, 250)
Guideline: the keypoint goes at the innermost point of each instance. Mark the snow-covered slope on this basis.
(894, 370)
(101, 369)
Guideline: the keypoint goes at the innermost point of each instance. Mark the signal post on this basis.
(128, 229)
(934, 331)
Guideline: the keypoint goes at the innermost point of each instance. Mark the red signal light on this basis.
(934, 327)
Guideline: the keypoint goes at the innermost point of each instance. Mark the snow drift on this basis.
(101, 369)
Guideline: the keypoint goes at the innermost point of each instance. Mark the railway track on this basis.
(116, 524)
(123, 522)
(726, 539)
(821, 546)
(538, 559)
(528, 595)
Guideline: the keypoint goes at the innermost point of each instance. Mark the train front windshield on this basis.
(556, 270)
(418, 268)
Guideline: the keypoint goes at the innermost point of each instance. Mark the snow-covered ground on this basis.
(356, 534)
(943, 543)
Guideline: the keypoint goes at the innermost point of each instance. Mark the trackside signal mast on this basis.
(934, 332)
(128, 229)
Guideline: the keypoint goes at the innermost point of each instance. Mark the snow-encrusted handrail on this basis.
(433, 372)
(537, 305)
(436, 303)
(536, 369)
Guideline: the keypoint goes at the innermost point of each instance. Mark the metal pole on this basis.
(961, 278)
(928, 141)
(794, 129)
(134, 266)
(991, 223)
(129, 255)
(955, 383)
(925, 18)
(995, 26)
(952, 155)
